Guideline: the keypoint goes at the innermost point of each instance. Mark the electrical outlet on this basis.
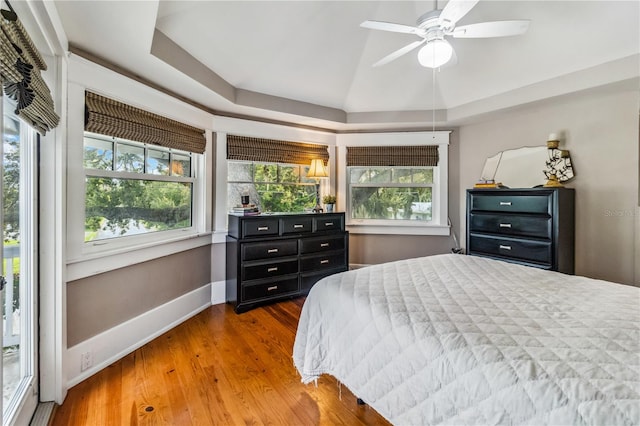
(86, 361)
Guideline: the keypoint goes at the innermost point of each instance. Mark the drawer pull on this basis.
(324, 244)
(503, 247)
(274, 269)
(324, 261)
(298, 226)
(328, 224)
(505, 203)
(272, 250)
(505, 225)
(275, 287)
(263, 228)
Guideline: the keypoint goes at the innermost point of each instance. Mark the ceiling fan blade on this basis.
(454, 11)
(491, 29)
(388, 26)
(402, 51)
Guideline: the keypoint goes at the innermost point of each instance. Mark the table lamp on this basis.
(317, 171)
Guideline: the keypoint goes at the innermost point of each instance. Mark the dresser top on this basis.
(279, 214)
(537, 189)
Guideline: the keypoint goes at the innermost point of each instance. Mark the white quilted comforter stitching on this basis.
(454, 339)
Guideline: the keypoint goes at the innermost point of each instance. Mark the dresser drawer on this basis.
(524, 226)
(269, 289)
(260, 227)
(320, 244)
(271, 269)
(511, 203)
(296, 225)
(327, 261)
(525, 250)
(267, 250)
(329, 222)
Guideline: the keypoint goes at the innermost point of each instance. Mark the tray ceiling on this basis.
(310, 61)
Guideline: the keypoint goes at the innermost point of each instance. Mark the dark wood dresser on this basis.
(532, 227)
(272, 257)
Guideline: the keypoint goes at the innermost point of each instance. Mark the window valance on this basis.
(20, 66)
(411, 156)
(112, 118)
(244, 148)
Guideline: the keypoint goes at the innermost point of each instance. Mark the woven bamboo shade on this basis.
(415, 156)
(112, 118)
(245, 148)
(20, 66)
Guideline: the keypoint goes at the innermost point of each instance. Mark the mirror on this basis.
(528, 167)
(517, 168)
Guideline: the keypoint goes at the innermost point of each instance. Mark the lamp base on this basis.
(553, 182)
(317, 208)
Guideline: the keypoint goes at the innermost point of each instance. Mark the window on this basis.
(273, 173)
(391, 193)
(272, 187)
(133, 188)
(395, 183)
(136, 181)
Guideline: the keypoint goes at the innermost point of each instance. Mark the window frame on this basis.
(224, 126)
(85, 259)
(438, 225)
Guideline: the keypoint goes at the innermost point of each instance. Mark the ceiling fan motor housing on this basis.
(429, 23)
(429, 20)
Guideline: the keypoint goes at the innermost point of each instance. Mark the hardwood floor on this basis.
(217, 368)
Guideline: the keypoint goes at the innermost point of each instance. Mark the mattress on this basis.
(455, 339)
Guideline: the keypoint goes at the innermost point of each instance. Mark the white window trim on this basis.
(86, 259)
(439, 223)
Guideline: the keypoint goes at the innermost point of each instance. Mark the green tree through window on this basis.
(147, 190)
(391, 193)
(272, 187)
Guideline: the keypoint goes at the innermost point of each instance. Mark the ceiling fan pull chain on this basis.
(433, 106)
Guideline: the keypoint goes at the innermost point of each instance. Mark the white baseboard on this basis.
(113, 344)
(218, 292)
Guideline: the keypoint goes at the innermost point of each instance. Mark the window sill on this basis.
(98, 263)
(436, 230)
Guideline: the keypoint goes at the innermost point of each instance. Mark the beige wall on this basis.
(103, 301)
(374, 249)
(601, 130)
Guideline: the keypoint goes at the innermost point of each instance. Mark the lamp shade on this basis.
(435, 53)
(317, 169)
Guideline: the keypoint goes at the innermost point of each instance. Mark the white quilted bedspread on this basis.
(455, 339)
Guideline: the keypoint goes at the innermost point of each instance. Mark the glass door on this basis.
(19, 263)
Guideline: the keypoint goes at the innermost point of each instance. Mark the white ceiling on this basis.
(226, 55)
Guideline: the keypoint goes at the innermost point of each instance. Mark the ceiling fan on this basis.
(433, 26)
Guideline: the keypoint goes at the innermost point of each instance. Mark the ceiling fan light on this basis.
(435, 53)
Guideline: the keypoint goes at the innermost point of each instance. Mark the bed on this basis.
(454, 339)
